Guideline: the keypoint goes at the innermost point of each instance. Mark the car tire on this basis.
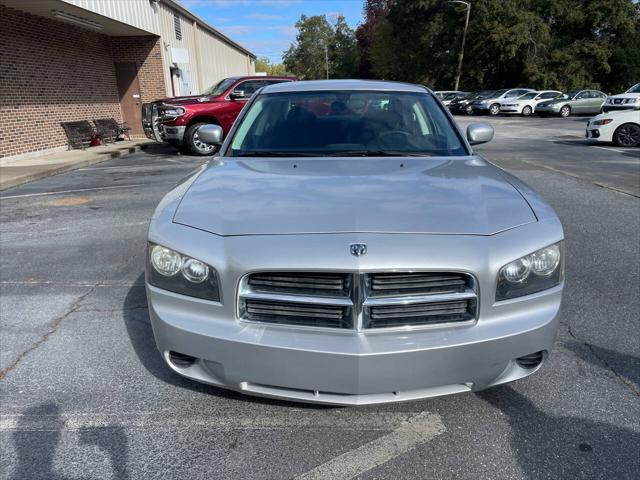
(494, 109)
(469, 110)
(526, 111)
(565, 111)
(194, 144)
(627, 135)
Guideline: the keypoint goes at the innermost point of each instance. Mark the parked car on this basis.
(525, 104)
(573, 102)
(348, 247)
(441, 94)
(491, 103)
(447, 99)
(176, 120)
(629, 100)
(461, 103)
(619, 127)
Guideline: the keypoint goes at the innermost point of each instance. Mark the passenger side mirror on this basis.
(211, 134)
(236, 94)
(478, 133)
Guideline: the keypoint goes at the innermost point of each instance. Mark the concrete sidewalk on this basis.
(15, 172)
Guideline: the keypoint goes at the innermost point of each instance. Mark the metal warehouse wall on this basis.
(218, 61)
(217, 58)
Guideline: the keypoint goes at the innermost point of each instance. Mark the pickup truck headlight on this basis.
(172, 111)
(532, 273)
(170, 270)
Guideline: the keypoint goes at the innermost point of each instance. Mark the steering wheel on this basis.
(394, 132)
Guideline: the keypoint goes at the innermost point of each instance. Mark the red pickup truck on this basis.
(176, 120)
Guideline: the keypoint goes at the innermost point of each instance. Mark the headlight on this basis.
(604, 121)
(532, 273)
(172, 111)
(170, 270)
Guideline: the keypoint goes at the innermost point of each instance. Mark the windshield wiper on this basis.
(272, 153)
(377, 153)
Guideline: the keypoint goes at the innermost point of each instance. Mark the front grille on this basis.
(296, 313)
(300, 283)
(358, 300)
(419, 314)
(419, 283)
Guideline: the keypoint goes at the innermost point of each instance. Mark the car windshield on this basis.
(450, 96)
(634, 89)
(528, 96)
(220, 87)
(346, 123)
(498, 93)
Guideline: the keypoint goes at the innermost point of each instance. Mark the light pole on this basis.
(326, 58)
(464, 37)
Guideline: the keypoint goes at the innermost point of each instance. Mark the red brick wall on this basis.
(146, 53)
(53, 72)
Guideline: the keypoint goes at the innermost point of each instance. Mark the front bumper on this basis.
(353, 367)
(617, 108)
(171, 133)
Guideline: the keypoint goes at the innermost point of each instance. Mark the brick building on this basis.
(65, 60)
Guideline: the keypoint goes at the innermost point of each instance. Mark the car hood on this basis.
(189, 100)
(461, 195)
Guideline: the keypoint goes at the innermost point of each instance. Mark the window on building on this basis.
(177, 26)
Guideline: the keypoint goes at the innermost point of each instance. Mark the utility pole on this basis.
(326, 58)
(464, 37)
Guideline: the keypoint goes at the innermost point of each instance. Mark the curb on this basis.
(103, 157)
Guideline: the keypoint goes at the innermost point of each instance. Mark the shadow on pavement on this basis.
(555, 447)
(138, 325)
(624, 365)
(36, 446)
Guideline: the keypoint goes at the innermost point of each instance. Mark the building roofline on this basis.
(207, 27)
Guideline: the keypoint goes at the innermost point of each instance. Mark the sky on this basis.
(266, 27)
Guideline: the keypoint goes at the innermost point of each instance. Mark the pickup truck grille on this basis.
(358, 301)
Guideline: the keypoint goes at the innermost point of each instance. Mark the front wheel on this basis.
(494, 109)
(193, 142)
(627, 135)
(526, 111)
(469, 110)
(565, 111)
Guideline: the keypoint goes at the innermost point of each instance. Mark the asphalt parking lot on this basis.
(86, 395)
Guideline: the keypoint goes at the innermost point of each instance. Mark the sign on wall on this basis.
(179, 55)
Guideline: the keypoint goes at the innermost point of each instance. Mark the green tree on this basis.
(263, 64)
(321, 46)
(560, 44)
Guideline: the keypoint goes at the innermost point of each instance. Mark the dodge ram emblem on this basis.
(358, 249)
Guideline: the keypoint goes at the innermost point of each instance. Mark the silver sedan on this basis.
(348, 247)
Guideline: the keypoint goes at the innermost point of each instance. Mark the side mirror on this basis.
(236, 94)
(211, 134)
(478, 133)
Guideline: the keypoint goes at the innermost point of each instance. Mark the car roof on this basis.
(319, 85)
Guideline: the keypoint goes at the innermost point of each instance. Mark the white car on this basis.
(526, 104)
(621, 128)
(629, 100)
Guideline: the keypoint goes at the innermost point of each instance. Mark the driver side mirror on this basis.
(478, 133)
(236, 94)
(211, 134)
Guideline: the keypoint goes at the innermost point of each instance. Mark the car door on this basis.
(233, 106)
(581, 102)
(596, 100)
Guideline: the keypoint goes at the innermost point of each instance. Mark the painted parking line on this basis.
(417, 427)
(77, 190)
(414, 431)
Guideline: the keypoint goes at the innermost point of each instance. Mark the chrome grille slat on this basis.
(417, 283)
(358, 300)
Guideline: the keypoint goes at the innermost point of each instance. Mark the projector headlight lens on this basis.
(178, 273)
(540, 270)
